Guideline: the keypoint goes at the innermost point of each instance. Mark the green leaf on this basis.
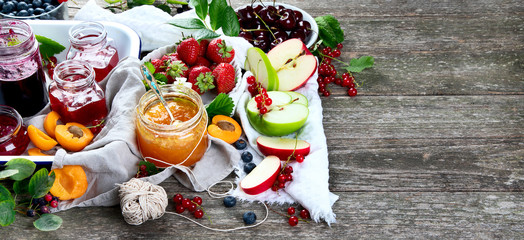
(359, 64)
(112, 1)
(48, 222)
(144, 2)
(205, 34)
(221, 105)
(20, 187)
(176, 2)
(230, 24)
(188, 23)
(329, 30)
(40, 183)
(24, 166)
(48, 47)
(150, 67)
(150, 167)
(8, 173)
(5, 194)
(216, 13)
(164, 8)
(160, 78)
(7, 212)
(200, 7)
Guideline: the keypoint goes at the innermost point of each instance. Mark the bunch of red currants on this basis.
(328, 74)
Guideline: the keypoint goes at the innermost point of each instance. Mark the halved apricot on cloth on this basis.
(36, 152)
(73, 136)
(40, 139)
(70, 182)
(225, 128)
(50, 123)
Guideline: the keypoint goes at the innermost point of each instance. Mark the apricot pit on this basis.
(73, 136)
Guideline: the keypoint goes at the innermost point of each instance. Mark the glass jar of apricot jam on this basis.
(13, 133)
(89, 43)
(75, 95)
(182, 142)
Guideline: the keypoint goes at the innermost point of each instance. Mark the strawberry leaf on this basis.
(329, 30)
(230, 25)
(221, 105)
(216, 11)
(48, 47)
(359, 64)
(200, 7)
(205, 34)
(188, 23)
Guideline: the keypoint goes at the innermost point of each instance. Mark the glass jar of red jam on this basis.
(183, 142)
(22, 79)
(89, 43)
(75, 95)
(13, 133)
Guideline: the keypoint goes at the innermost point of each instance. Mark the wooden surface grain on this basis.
(432, 147)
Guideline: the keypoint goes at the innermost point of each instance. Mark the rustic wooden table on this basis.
(432, 146)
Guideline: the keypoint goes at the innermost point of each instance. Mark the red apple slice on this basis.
(282, 147)
(262, 177)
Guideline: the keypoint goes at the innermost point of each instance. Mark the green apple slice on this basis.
(300, 98)
(258, 63)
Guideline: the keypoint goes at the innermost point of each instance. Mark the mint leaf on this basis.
(200, 8)
(48, 47)
(329, 30)
(7, 212)
(40, 183)
(216, 11)
(359, 64)
(221, 105)
(8, 173)
(230, 24)
(188, 23)
(24, 166)
(205, 34)
(176, 2)
(5, 194)
(48, 222)
(20, 187)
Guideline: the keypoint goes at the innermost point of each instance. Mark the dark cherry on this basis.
(287, 20)
(298, 15)
(246, 35)
(280, 34)
(258, 8)
(261, 42)
(261, 30)
(275, 42)
(281, 9)
(268, 17)
(305, 26)
(298, 34)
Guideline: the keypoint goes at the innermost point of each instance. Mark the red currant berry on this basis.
(258, 99)
(288, 170)
(263, 91)
(198, 213)
(299, 158)
(53, 204)
(282, 178)
(281, 185)
(328, 49)
(333, 72)
(178, 198)
(186, 203)
(179, 208)
(320, 79)
(274, 187)
(351, 85)
(352, 92)
(336, 53)
(345, 82)
(251, 79)
(321, 90)
(48, 197)
(252, 88)
(340, 46)
(197, 200)
(327, 60)
(269, 101)
(326, 93)
(53, 59)
(50, 65)
(325, 51)
(290, 210)
(293, 221)
(263, 110)
(321, 85)
(260, 105)
(289, 177)
(143, 168)
(304, 213)
(338, 81)
(345, 75)
(192, 207)
(331, 54)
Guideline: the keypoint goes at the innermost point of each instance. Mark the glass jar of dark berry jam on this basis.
(89, 43)
(13, 133)
(75, 95)
(22, 79)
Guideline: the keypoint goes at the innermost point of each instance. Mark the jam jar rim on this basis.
(149, 97)
(78, 28)
(61, 83)
(10, 111)
(27, 43)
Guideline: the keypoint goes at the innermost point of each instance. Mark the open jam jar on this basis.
(22, 79)
(13, 133)
(89, 43)
(75, 95)
(183, 142)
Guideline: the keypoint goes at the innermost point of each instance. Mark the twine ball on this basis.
(141, 201)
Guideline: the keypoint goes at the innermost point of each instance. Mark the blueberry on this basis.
(29, 5)
(22, 13)
(240, 144)
(44, 5)
(30, 213)
(47, 1)
(249, 218)
(1, 3)
(38, 11)
(30, 11)
(230, 201)
(247, 157)
(35, 201)
(21, 6)
(8, 7)
(37, 3)
(249, 167)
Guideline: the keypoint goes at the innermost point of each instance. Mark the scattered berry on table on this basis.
(293, 221)
(198, 213)
(230, 201)
(178, 198)
(290, 210)
(304, 213)
(246, 157)
(186, 203)
(240, 144)
(249, 167)
(179, 208)
(197, 200)
(249, 217)
(192, 207)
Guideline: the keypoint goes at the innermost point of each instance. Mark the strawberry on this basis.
(203, 47)
(219, 52)
(188, 50)
(160, 66)
(201, 78)
(177, 69)
(224, 75)
(202, 61)
(170, 57)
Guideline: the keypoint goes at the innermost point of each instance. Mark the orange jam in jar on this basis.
(182, 142)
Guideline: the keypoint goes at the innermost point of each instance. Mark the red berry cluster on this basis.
(261, 97)
(293, 220)
(328, 74)
(193, 206)
(142, 172)
(282, 178)
(51, 63)
(42, 204)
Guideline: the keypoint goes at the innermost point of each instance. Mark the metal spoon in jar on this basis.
(151, 81)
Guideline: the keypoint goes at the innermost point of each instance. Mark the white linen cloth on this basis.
(310, 185)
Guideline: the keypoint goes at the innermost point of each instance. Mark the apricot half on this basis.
(70, 182)
(40, 139)
(225, 128)
(50, 123)
(73, 136)
(36, 152)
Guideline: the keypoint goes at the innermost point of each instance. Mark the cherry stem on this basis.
(265, 25)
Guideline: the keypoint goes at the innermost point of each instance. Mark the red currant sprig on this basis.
(328, 73)
(193, 206)
(292, 219)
